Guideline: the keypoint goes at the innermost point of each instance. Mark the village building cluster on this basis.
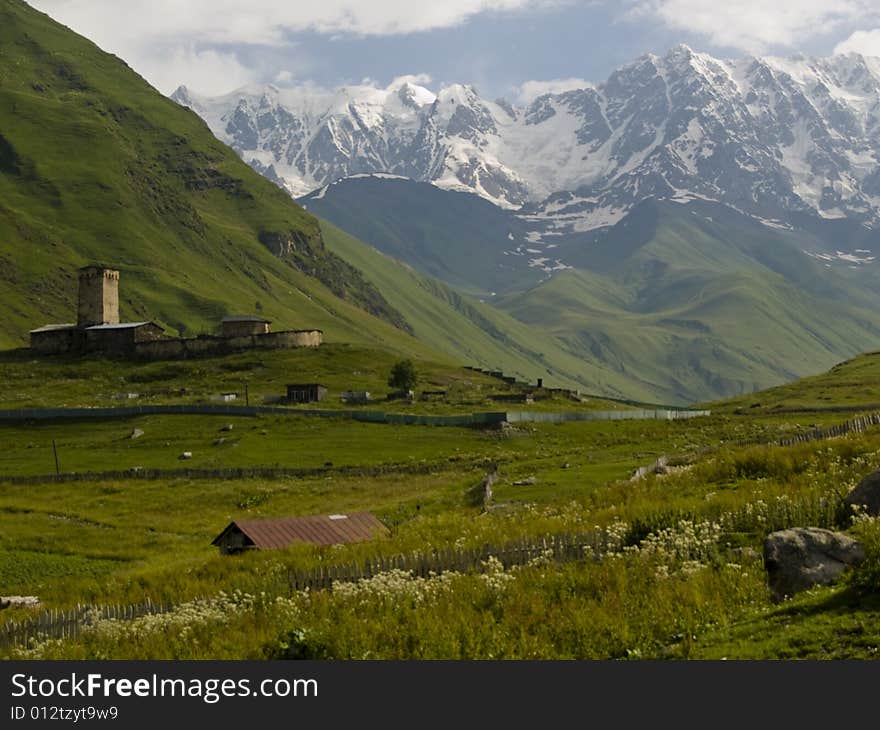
(98, 329)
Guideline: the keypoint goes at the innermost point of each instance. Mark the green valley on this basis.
(624, 529)
(679, 572)
(675, 303)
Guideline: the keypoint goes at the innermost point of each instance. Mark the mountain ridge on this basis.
(683, 300)
(772, 137)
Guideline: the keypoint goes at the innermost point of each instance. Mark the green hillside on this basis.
(675, 303)
(695, 306)
(453, 236)
(853, 385)
(96, 165)
(477, 333)
(672, 569)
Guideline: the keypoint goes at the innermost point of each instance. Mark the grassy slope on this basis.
(96, 165)
(456, 237)
(46, 382)
(677, 303)
(477, 333)
(694, 309)
(850, 385)
(63, 541)
(826, 623)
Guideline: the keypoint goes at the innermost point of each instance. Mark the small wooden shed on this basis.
(306, 392)
(335, 529)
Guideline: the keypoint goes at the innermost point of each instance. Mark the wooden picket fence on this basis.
(69, 624)
(855, 425)
(561, 547)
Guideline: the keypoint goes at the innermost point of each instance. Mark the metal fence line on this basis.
(367, 416)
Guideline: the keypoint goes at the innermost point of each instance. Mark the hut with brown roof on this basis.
(333, 529)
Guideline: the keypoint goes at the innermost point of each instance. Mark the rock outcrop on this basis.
(802, 557)
(866, 495)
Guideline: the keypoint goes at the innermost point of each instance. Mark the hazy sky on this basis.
(510, 48)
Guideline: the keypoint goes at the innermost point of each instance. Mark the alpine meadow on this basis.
(390, 370)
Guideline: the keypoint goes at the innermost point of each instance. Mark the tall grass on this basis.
(685, 560)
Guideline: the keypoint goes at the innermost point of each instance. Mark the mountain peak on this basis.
(183, 96)
(680, 50)
(180, 94)
(415, 95)
(765, 135)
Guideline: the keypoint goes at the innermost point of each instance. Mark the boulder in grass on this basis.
(802, 557)
(136, 433)
(186, 455)
(527, 482)
(866, 495)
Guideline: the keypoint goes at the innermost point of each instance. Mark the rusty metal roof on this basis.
(314, 529)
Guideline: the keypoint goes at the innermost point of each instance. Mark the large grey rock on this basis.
(866, 494)
(802, 557)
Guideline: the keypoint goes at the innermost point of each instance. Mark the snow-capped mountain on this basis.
(770, 137)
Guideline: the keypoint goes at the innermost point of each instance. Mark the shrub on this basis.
(866, 577)
(403, 375)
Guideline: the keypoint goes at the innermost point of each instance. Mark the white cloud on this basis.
(264, 21)
(169, 41)
(756, 26)
(531, 90)
(207, 72)
(415, 79)
(866, 42)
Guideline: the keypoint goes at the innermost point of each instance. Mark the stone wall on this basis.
(57, 341)
(208, 344)
(113, 341)
(244, 328)
(148, 342)
(121, 340)
(148, 333)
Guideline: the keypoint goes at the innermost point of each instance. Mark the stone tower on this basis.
(98, 296)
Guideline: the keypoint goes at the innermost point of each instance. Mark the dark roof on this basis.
(54, 327)
(120, 326)
(315, 529)
(306, 385)
(246, 318)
